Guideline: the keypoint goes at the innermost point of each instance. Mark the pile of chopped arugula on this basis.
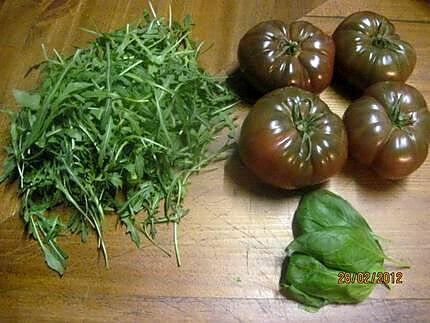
(118, 127)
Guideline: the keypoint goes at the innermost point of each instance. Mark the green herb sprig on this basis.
(331, 238)
(120, 127)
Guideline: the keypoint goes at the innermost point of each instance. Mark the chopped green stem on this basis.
(305, 123)
(289, 47)
(383, 42)
(307, 141)
(399, 118)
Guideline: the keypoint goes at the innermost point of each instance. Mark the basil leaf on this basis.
(292, 292)
(321, 209)
(331, 239)
(309, 282)
(342, 248)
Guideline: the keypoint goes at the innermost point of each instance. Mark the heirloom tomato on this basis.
(389, 129)
(274, 54)
(368, 51)
(291, 139)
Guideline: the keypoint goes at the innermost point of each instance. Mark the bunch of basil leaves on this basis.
(330, 237)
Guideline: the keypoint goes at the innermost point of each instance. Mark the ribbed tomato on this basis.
(389, 129)
(368, 50)
(291, 139)
(274, 54)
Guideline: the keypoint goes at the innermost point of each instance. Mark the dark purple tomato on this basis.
(389, 129)
(291, 139)
(368, 50)
(274, 54)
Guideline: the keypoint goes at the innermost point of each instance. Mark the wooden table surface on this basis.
(233, 240)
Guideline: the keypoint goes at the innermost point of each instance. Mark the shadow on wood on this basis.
(369, 180)
(246, 93)
(345, 89)
(236, 172)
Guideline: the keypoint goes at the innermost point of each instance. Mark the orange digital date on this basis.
(385, 277)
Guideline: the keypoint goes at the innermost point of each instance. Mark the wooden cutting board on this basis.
(233, 240)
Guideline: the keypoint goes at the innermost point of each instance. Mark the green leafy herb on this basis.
(342, 248)
(321, 209)
(310, 282)
(120, 127)
(331, 238)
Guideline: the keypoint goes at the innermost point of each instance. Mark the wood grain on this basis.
(200, 309)
(415, 11)
(233, 240)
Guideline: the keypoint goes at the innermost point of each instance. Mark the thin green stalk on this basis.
(175, 239)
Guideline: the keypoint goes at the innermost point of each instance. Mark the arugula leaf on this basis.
(26, 99)
(54, 260)
(131, 228)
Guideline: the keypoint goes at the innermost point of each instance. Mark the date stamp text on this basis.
(385, 277)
